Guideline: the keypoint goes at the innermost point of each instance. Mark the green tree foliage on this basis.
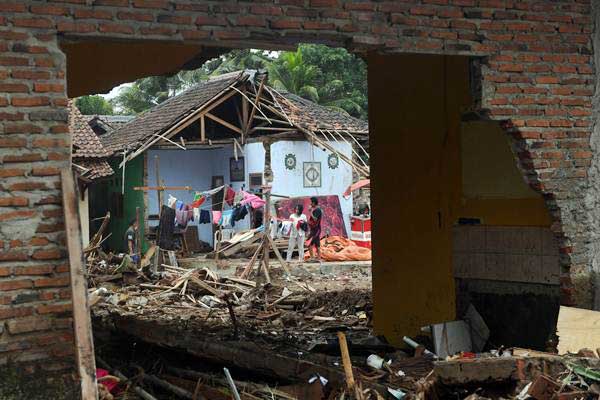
(94, 105)
(290, 72)
(328, 76)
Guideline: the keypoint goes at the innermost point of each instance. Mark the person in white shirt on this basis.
(297, 233)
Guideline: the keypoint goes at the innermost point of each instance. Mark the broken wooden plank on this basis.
(243, 354)
(84, 342)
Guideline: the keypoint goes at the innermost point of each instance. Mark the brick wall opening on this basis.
(538, 76)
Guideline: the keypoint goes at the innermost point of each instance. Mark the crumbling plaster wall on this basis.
(587, 278)
(538, 75)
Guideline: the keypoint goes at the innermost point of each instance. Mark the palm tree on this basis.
(290, 72)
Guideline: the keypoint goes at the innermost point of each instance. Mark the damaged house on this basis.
(232, 130)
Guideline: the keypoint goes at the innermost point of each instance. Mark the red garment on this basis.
(229, 196)
(198, 202)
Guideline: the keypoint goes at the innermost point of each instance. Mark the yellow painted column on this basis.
(414, 113)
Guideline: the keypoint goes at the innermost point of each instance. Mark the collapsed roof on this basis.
(301, 112)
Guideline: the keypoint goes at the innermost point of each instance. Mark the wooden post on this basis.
(159, 191)
(84, 343)
(221, 226)
(268, 174)
(138, 236)
(202, 129)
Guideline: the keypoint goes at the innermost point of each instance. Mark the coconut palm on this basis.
(289, 72)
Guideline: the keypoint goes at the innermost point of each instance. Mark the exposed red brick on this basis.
(31, 324)
(15, 201)
(12, 142)
(8, 172)
(30, 101)
(286, 24)
(33, 22)
(26, 186)
(48, 142)
(54, 308)
(194, 35)
(52, 282)
(324, 3)
(79, 27)
(15, 312)
(175, 19)
(28, 157)
(49, 228)
(14, 88)
(250, 20)
(22, 128)
(49, 87)
(116, 28)
(135, 16)
(14, 61)
(93, 14)
(52, 254)
(151, 4)
(15, 284)
(49, 9)
(45, 171)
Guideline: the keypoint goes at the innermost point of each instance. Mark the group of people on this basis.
(303, 226)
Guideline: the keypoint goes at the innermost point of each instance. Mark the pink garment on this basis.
(253, 200)
(216, 215)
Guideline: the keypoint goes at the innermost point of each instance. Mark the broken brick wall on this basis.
(537, 73)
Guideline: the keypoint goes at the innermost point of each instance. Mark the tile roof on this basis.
(167, 113)
(303, 113)
(87, 150)
(85, 142)
(97, 168)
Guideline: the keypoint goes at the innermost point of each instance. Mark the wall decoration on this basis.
(312, 174)
(333, 161)
(290, 161)
(237, 172)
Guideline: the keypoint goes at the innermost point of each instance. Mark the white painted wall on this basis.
(291, 182)
(196, 168)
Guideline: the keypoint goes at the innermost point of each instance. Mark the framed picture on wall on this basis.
(312, 174)
(237, 173)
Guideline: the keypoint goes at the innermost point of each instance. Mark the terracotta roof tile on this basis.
(85, 142)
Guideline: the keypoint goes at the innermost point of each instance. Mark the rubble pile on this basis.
(301, 336)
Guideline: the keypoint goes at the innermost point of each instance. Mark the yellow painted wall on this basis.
(415, 104)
